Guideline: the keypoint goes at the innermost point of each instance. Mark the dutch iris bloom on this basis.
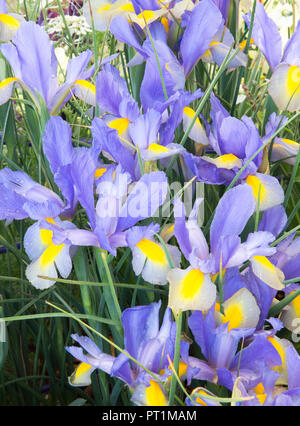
(205, 37)
(48, 242)
(193, 288)
(32, 59)
(149, 257)
(284, 84)
(219, 344)
(235, 141)
(146, 342)
(268, 390)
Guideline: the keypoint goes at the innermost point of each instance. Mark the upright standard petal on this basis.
(203, 24)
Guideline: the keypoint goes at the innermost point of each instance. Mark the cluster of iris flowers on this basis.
(222, 281)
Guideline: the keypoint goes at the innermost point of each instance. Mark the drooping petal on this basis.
(267, 272)
(267, 188)
(284, 87)
(240, 310)
(190, 289)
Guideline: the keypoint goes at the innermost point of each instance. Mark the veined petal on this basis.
(284, 87)
(190, 289)
(85, 91)
(267, 272)
(197, 132)
(6, 87)
(82, 375)
(270, 190)
(240, 310)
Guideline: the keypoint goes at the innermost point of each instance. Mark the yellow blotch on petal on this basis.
(50, 254)
(155, 395)
(260, 393)
(281, 352)
(191, 113)
(228, 161)
(155, 147)
(128, 7)
(9, 20)
(165, 23)
(293, 80)
(47, 234)
(191, 284)
(256, 186)
(152, 251)
(99, 173)
(82, 368)
(86, 85)
(146, 15)
(234, 315)
(119, 124)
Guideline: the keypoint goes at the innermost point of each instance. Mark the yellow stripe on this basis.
(290, 142)
(265, 262)
(7, 81)
(9, 20)
(50, 254)
(47, 234)
(191, 113)
(87, 85)
(255, 183)
(280, 350)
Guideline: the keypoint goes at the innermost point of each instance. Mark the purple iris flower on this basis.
(152, 90)
(32, 58)
(235, 141)
(145, 341)
(219, 347)
(117, 210)
(226, 249)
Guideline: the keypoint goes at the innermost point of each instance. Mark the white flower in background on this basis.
(281, 11)
(77, 25)
(63, 61)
